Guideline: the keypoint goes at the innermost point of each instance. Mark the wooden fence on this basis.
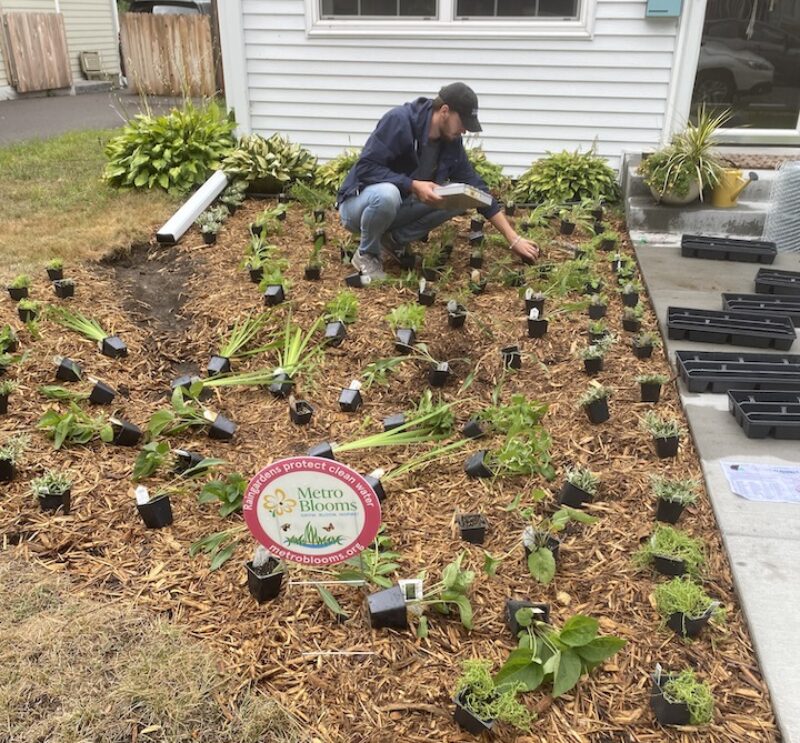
(168, 54)
(35, 49)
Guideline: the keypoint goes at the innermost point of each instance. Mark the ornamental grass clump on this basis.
(79, 323)
(686, 689)
(682, 595)
(477, 691)
(241, 335)
(342, 308)
(672, 544)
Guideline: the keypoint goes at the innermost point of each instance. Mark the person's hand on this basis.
(424, 191)
(527, 250)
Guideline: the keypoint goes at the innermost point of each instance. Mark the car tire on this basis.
(714, 86)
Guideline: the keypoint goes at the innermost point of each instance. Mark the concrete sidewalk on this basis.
(761, 538)
(40, 118)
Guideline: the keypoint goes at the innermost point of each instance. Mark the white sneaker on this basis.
(368, 265)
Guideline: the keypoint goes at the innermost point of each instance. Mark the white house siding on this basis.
(90, 28)
(536, 95)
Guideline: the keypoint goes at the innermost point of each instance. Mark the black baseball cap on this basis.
(462, 99)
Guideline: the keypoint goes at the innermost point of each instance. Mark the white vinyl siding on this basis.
(90, 28)
(536, 94)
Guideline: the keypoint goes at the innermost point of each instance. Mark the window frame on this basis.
(446, 26)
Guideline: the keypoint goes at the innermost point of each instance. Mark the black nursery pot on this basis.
(8, 470)
(650, 391)
(55, 274)
(324, 450)
(186, 381)
(312, 273)
(101, 394)
(64, 289)
(209, 238)
(567, 228)
(607, 245)
(156, 513)
(300, 413)
(390, 422)
(4, 404)
(377, 486)
(476, 260)
(69, 371)
(514, 605)
(430, 274)
(512, 357)
(632, 326)
(126, 433)
(27, 315)
(256, 274)
(597, 411)
(687, 626)
(18, 293)
(426, 298)
(439, 374)
(387, 608)
(335, 333)
(274, 294)
(669, 511)
(553, 544)
(281, 385)
(572, 496)
(457, 318)
(185, 460)
(468, 720)
(114, 347)
(597, 337)
(264, 584)
(667, 447)
(537, 328)
(319, 215)
(355, 280)
(631, 299)
(472, 429)
(666, 712)
(404, 340)
(257, 230)
(593, 288)
(222, 429)
(54, 501)
(473, 527)
(476, 225)
(475, 467)
(350, 400)
(668, 565)
(218, 365)
(534, 304)
(643, 352)
(478, 287)
(593, 366)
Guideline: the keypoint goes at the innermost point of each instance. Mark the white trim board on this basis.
(234, 62)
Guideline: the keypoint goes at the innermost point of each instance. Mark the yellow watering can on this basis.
(730, 185)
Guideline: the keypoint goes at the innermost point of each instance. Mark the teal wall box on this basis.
(663, 8)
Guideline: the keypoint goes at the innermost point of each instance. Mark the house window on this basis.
(517, 8)
(378, 8)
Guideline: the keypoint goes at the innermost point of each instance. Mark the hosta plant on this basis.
(331, 174)
(275, 161)
(490, 173)
(175, 152)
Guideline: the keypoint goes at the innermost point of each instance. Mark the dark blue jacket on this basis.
(391, 155)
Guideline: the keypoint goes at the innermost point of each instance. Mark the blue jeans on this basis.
(380, 208)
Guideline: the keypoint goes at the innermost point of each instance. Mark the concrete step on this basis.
(745, 220)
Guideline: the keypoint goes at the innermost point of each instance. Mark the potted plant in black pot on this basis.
(477, 284)
(643, 344)
(28, 310)
(594, 402)
(671, 552)
(109, 344)
(607, 240)
(480, 702)
(594, 354)
(532, 612)
(685, 607)
(579, 489)
(274, 284)
(209, 226)
(10, 454)
(313, 269)
(235, 344)
(425, 295)
(156, 512)
(672, 497)
(681, 699)
(598, 306)
(534, 300)
(597, 330)
(456, 314)
(19, 286)
(541, 545)
(666, 433)
(55, 269)
(405, 320)
(650, 386)
(472, 527)
(350, 399)
(593, 285)
(64, 288)
(629, 293)
(433, 262)
(300, 411)
(53, 490)
(9, 340)
(264, 575)
(511, 357)
(537, 325)
(632, 319)
(7, 387)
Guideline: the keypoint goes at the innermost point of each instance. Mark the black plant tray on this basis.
(737, 328)
(762, 414)
(772, 304)
(771, 281)
(728, 249)
(720, 371)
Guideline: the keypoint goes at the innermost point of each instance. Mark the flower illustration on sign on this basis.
(279, 504)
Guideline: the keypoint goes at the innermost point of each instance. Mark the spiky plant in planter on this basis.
(686, 690)
(666, 433)
(109, 344)
(650, 386)
(580, 487)
(10, 454)
(52, 490)
(19, 286)
(672, 551)
(7, 387)
(594, 402)
(685, 607)
(643, 344)
(632, 318)
(673, 496)
(28, 310)
(235, 344)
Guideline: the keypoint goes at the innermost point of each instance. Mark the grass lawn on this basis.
(54, 203)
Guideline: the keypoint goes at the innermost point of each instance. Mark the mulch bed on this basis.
(171, 305)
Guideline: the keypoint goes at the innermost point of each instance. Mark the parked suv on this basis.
(725, 74)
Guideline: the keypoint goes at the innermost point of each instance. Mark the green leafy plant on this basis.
(229, 493)
(451, 589)
(675, 491)
(8, 338)
(273, 274)
(22, 281)
(660, 428)
(342, 308)
(536, 539)
(567, 176)
(576, 214)
(208, 224)
(275, 161)
(175, 152)
(234, 195)
(75, 427)
(559, 657)
(600, 238)
(373, 565)
(309, 197)
(52, 482)
(673, 544)
(54, 264)
(220, 545)
(682, 595)
(523, 455)
(490, 173)
(407, 316)
(331, 174)
(78, 323)
(377, 372)
(595, 392)
(646, 338)
(488, 700)
(518, 415)
(182, 414)
(14, 448)
(7, 360)
(29, 304)
(633, 313)
(684, 688)
(7, 386)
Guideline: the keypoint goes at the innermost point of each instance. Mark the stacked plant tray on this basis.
(762, 414)
(738, 328)
(720, 371)
(771, 304)
(771, 281)
(728, 249)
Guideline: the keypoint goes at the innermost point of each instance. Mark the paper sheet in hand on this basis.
(763, 482)
(462, 196)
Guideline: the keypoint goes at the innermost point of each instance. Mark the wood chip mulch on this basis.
(391, 686)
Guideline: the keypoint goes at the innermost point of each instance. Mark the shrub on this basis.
(332, 173)
(176, 151)
(490, 173)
